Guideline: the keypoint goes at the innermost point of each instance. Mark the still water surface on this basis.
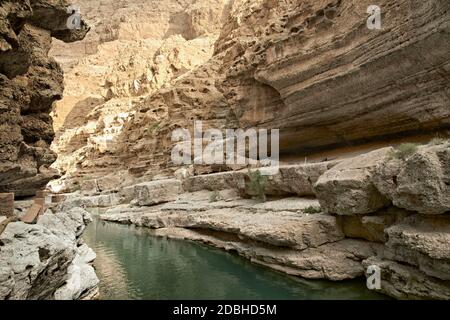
(132, 264)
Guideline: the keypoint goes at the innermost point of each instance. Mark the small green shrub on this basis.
(257, 184)
(312, 210)
(214, 197)
(404, 151)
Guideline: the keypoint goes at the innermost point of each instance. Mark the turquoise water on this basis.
(132, 264)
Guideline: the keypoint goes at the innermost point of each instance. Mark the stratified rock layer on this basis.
(312, 69)
(316, 71)
(131, 82)
(335, 236)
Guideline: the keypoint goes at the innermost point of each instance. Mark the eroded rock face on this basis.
(405, 282)
(314, 69)
(371, 227)
(369, 182)
(138, 84)
(30, 82)
(347, 188)
(419, 183)
(156, 192)
(36, 260)
(423, 242)
(82, 281)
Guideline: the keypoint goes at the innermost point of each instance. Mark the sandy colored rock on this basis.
(372, 227)
(119, 115)
(347, 188)
(423, 242)
(215, 181)
(82, 281)
(155, 192)
(314, 70)
(405, 282)
(269, 223)
(285, 180)
(7, 204)
(419, 183)
(296, 179)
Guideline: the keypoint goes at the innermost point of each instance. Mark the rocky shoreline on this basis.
(352, 222)
(327, 220)
(48, 260)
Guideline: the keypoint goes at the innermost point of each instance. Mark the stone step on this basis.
(32, 213)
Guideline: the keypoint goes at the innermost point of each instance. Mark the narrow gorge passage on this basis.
(134, 264)
(226, 149)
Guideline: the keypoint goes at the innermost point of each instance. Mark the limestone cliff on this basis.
(310, 68)
(314, 70)
(30, 81)
(124, 80)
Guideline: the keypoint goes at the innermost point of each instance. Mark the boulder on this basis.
(30, 81)
(155, 192)
(294, 179)
(215, 181)
(347, 188)
(35, 259)
(82, 279)
(419, 183)
(297, 179)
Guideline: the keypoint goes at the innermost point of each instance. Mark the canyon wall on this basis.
(316, 71)
(30, 81)
(310, 68)
(124, 81)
